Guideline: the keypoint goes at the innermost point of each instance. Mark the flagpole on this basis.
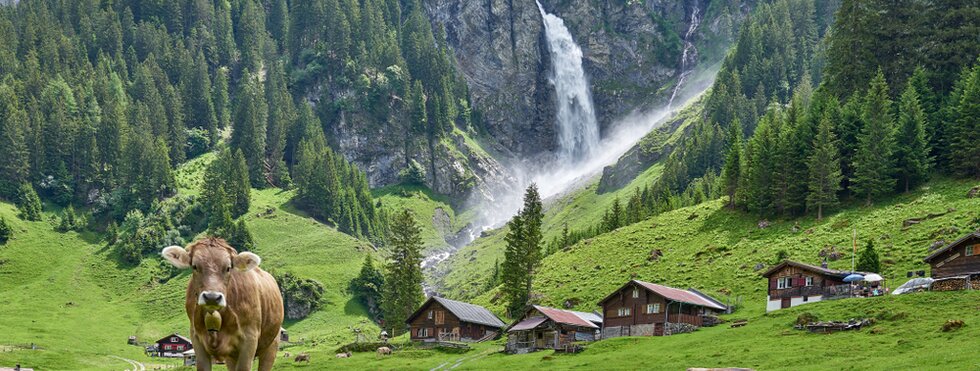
(855, 245)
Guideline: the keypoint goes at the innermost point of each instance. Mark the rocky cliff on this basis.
(632, 56)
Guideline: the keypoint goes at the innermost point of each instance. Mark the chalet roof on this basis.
(591, 317)
(466, 312)
(813, 268)
(528, 324)
(567, 317)
(167, 338)
(956, 243)
(706, 297)
(674, 294)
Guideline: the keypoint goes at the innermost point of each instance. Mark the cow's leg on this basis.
(246, 353)
(203, 361)
(203, 358)
(267, 356)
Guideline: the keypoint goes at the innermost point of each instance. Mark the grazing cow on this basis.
(384, 351)
(343, 355)
(234, 307)
(302, 357)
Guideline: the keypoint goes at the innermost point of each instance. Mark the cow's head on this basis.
(213, 263)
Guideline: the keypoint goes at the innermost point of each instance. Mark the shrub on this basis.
(28, 203)
(414, 173)
(198, 142)
(5, 231)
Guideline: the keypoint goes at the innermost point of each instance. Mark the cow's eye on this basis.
(195, 267)
(227, 269)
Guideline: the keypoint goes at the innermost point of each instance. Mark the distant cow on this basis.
(302, 357)
(384, 351)
(343, 355)
(241, 302)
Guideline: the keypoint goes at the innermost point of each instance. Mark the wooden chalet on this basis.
(441, 319)
(960, 258)
(173, 345)
(551, 328)
(646, 309)
(793, 283)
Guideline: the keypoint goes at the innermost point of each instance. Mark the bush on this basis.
(414, 173)
(197, 142)
(28, 203)
(5, 231)
(70, 221)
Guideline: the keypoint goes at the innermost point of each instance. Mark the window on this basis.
(423, 332)
(809, 281)
(636, 293)
(430, 314)
(784, 282)
(968, 251)
(440, 317)
(173, 340)
(166, 347)
(623, 312)
(653, 308)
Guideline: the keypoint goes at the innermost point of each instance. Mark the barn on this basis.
(441, 319)
(960, 258)
(647, 309)
(173, 345)
(551, 328)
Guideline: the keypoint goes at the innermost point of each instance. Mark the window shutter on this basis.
(799, 281)
(772, 284)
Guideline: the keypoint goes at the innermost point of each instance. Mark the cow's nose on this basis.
(212, 297)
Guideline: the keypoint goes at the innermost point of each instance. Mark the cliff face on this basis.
(632, 56)
(632, 52)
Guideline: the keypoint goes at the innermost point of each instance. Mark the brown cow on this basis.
(234, 307)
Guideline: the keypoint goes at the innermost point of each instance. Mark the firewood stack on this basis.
(975, 282)
(949, 284)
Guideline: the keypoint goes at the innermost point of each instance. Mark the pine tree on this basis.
(403, 292)
(14, 126)
(249, 134)
(368, 285)
(200, 100)
(513, 272)
(523, 254)
(912, 149)
(219, 216)
(240, 237)
(868, 260)
(966, 133)
(28, 203)
(237, 181)
(222, 103)
(874, 161)
(824, 168)
(732, 171)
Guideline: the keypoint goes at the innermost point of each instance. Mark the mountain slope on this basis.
(716, 250)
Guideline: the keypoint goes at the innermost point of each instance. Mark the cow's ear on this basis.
(246, 261)
(177, 256)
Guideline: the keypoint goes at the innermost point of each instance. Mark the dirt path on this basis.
(137, 366)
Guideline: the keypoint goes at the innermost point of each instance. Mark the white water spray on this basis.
(689, 56)
(578, 130)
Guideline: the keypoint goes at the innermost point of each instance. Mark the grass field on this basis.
(906, 335)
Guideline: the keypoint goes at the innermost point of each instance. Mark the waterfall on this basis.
(578, 130)
(690, 54)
